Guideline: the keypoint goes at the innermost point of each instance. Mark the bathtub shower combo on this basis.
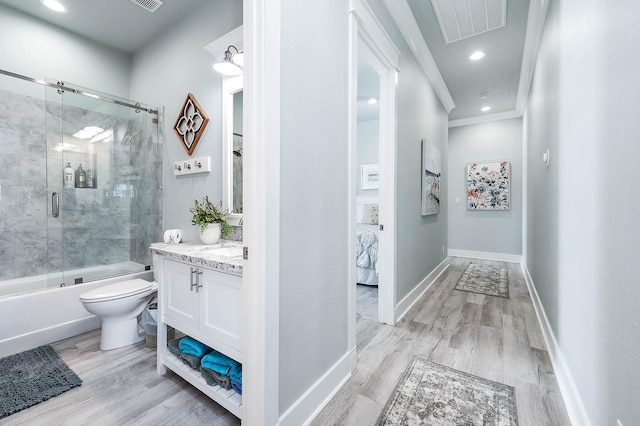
(80, 203)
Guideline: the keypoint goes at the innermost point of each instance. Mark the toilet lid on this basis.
(117, 290)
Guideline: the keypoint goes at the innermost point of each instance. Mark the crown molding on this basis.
(485, 118)
(533, 36)
(373, 34)
(406, 22)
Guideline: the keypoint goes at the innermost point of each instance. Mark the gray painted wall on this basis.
(37, 49)
(163, 73)
(368, 150)
(583, 238)
(487, 231)
(420, 239)
(313, 193)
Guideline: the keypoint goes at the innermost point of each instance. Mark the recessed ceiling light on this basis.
(485, 108)
(483, 95)
(372, 101)
(477, 55)
(54, 5)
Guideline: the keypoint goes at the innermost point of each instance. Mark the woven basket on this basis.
(152, 341)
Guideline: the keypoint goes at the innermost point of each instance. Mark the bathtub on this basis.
(38, 317)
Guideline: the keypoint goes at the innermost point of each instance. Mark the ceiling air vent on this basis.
(150, 5)
(460, 19)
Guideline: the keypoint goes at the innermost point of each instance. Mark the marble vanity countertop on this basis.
(225, 256)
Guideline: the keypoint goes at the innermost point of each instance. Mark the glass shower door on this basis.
(104, 157)
(54, 153)
(23, 187)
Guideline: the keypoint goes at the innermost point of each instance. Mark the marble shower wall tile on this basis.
(115, 222)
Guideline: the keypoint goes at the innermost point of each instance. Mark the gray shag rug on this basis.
(435, 395)
(33, 376)
(484, 279)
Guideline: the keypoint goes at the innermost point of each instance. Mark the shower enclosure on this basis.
(100, 221)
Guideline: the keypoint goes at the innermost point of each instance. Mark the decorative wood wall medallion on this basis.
(190, 123)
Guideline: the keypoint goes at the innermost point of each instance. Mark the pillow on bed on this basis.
(370, 214)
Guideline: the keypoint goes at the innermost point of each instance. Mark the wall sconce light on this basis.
(231, 64)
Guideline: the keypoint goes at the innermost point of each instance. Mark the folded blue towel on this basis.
(236, 374)
(220, 363)
(236, 387)
(191, 346)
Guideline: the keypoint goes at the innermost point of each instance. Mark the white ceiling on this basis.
(126, 26)
(368, 88)
(120, 24)
(497, 74)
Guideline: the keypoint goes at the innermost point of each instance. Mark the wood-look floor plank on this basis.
(121, 387)
(495, 338)
(491, 337)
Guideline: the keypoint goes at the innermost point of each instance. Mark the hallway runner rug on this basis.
(484, 279)
(33, 376)
(432, 394)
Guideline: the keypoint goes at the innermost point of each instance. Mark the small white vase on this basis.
(210, 234)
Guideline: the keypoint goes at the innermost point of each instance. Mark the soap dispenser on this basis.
(81, 177)
(91, 178)
(68, 177)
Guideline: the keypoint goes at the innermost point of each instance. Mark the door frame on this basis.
(367, 34)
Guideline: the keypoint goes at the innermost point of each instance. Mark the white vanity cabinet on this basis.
(205, 303)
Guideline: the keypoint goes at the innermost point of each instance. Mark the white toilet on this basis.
(118, 305)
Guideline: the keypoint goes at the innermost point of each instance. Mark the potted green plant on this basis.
(211, 219)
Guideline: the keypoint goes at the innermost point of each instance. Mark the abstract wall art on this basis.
(488, 185)
(431, 178)
(370, 178)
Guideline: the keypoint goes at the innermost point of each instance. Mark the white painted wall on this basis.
(583, 238)
(368, 150)
(313, 193)
(163, 73)
(37, 49)
(485, 231)
(420, 239)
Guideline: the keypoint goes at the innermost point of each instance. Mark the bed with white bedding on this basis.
(367, 254)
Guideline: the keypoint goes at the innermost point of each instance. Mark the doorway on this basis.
(373, 62)
(367, 197)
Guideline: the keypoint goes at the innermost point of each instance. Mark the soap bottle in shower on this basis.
(68, 176)
(81, 177)
(91, 176)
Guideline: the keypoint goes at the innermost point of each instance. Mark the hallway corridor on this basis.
(490, 337)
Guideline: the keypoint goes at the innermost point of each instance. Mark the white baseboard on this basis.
(572, 400)
(48, 335)
(504, 257)
(309, 405)
(415, 294)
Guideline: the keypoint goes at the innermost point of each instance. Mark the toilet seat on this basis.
(118, 290)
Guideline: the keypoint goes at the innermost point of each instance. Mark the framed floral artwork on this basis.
(488, 185)
(190, 123)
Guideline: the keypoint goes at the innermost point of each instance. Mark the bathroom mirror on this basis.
(232, 147)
